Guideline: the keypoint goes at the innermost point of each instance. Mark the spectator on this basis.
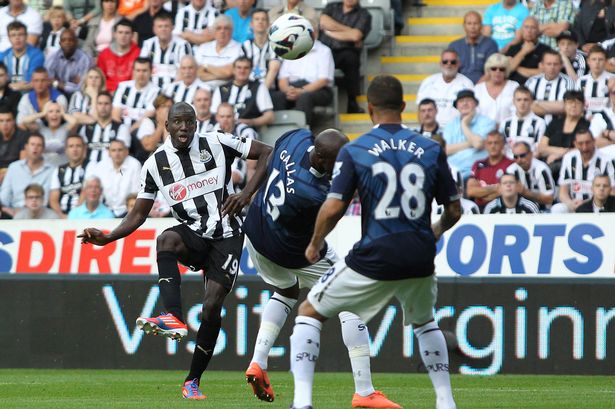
(92, 207)
(427, 118)
(495, 94)
(164, 50)
(68, 65)
(503, 20)
(534, 175)
(82, 11)
(31, 169)
(119, 177)
(294, 6)
(526, 56)
(133, 99)
(579, 167)
(524, 125)
(474, 49)
(42, 92)
(343, 27)
(594, 23)
(34, 208)
(595, 85)
(144, 22)
(216, 57)
(8, 97)
(17, 11)
(53, 123)
(21, 59)
(132, 8)
(573, 59)
(444, 87)
(603, 125)
(116, 61)
(183, 90)
(306, 82)
(103, 130)
(195, 22)
(251, 99)
(601, 200)
(12, 139)
(483, 182)
(67, 179)
(265, 63)
(549, 86)
(465, 134)
(52, 30)
(554, 16)
(152, 130)
(241, 15)
(83, 101)
(510, 201)
(559, 135)
(202, 105)
(101, 29)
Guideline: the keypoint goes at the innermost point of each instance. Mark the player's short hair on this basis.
(583, 131)
(574, 94)
(524, 90)
(601, 176)
(449, 50)
(16, 25)
(56, 11)
(260, 10)
(498, 134)
(34, 187)
(550, 52)
(73, 136)
(243, 58)
(6, 109)
(596, 49)
(428, 101)
(472, 13)
(160, 100)
(222, 18)
(40, 70)
(386, 93)
(124, 22)
(142, 60)
(163, 15)
(35, 135)
(523, 143)
(225, 105)
(118, 141)
(104, 94)
(92, 178)
(513, 174)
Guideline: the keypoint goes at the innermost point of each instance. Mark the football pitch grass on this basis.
(33, 388)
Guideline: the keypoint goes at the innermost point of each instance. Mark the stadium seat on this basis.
(285, 121)
(388, 17)
(316, 4)
(332, 109)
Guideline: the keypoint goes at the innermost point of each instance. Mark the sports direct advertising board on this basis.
(528, 246)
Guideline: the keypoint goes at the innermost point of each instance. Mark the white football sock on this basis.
(274, 316)
(356, 339)
(304, 350)
(435, 357)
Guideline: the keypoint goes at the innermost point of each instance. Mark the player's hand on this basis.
(312, 253)
(234, 203)
(93, 236)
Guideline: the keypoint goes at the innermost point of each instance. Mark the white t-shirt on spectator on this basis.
(444, 94)
(30, 17)
(317, 64)
(147, 128)
(206, 54)
(497, 109)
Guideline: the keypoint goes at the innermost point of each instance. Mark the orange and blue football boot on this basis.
(191, 390)
(165, 324)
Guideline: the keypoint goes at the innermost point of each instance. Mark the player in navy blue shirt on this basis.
(397, 173)
(279, 226)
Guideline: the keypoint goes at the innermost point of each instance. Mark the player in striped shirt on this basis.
(185, 89)
(595, 84)
(524, 125)
(192, 173)
(510, 201)
(534, 175)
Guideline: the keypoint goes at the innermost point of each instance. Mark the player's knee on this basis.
(168, 241)
(306, 309)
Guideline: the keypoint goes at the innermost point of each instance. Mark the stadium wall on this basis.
(520, 294)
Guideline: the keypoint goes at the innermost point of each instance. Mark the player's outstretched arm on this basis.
(329, 214)
(130, 223)
(451, 215)
(234, 203)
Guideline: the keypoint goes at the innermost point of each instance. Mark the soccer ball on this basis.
(291, 36)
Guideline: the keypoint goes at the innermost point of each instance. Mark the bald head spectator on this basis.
(34, 207)
(92, 206)
(473, 49)
(183, 90)
(526, 56)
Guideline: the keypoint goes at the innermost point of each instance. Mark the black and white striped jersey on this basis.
(523, 205)
(197, 181)
(190, 19)
(165, 62)
(134, 102)
(79, 102)
(579, 178)
(241, 131)
(52, 42)
(68, 181)
(549, 90)
(206, 125)
(180, 92)
(250, 100)
(596, 91)
(538, 177)
(529, 129)
(98, 138)
(260, 57)
(579, 64)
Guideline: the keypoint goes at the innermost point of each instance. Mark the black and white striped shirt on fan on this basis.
(528, 129)
(180, 92)
(68, 181)
(134, 102)
(98, 138)
(190, 19)
(596, 91)
(196, 182)
(260, 58)
(549, 90)
(165, 62)
(579, 178)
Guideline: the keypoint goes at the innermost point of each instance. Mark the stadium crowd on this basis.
(524, 102)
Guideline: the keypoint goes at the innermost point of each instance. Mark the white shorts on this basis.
(282, 277)
(343, 289)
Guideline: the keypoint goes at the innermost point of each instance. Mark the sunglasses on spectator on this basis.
(451, 62)
(502, 69)
(521, 155)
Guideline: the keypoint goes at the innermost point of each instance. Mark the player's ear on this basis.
(370, 109)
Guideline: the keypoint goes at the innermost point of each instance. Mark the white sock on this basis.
(356, 339)
(274, 316)
(304, 350)
(435, 357)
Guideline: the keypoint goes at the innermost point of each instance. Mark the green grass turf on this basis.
(43, 388)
